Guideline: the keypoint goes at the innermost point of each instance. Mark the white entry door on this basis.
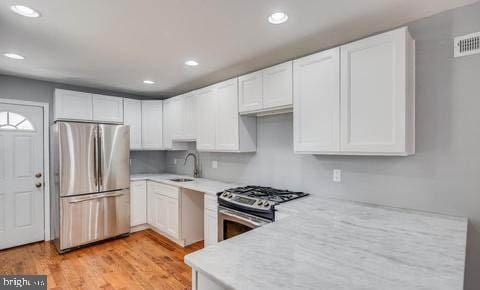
(21, 175)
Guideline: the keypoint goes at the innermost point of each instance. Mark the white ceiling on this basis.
(116, 44)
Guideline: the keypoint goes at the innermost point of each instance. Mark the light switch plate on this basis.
(175, 161)
(214, 164)
(337, 175)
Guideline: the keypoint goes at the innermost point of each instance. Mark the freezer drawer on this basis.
(93, 217)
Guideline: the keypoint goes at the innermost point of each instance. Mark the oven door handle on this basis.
(241, 218)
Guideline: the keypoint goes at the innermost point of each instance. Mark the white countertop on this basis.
(210, 187)
(334, 244)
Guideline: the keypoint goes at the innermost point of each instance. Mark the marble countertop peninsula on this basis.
(333, 244)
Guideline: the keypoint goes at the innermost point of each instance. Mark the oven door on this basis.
(232, 223)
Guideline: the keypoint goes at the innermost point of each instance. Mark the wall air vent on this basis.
(467, 45)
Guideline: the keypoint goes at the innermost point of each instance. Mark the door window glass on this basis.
(14, 121)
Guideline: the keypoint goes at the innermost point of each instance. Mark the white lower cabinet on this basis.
(176, 213)
(163, 208)
(138, 203)
(172, 217)
(211, 220)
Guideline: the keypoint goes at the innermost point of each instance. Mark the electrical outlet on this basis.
(214, 164)
(175, 161)
(337, 175)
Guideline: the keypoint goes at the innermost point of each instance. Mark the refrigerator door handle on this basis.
(96, 197)
(95, 158)
(100, 173)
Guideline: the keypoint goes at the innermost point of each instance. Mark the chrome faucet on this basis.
(196, 170)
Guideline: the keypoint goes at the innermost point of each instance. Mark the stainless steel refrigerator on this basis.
(91, 196)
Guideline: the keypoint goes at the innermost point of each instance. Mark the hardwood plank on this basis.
(143, 260)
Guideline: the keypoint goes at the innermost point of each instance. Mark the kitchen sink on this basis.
(181, 179)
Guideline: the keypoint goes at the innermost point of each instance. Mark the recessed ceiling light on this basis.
(278, 17)
(191, 63)
(13, 55)
(148, 82)
(25, 11)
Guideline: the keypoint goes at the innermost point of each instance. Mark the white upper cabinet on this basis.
(226, 137)
(220, 128)
(278, 86)
(358, 99)
(107, 109)
(152, 125)
(71, 105)
(377, 95)
(250, 92)
(189, 113)
(133, 118)
(316, 113)
(268, 90)
(206, 119)
(78, 106)
(175, 118)
(171, 126)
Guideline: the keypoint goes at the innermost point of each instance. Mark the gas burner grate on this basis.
(268, 193)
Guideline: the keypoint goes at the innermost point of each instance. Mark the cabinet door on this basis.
(227, 134)
(316, 110)
(189, 116)
(152, 125)
(157, 211)
(206, 110)
(373, 94)
(176, 117)
(167, 124)
(138, 204)
(133, 117)
(250, 92)
(211, 227)
(172, 217)
(278, 86)
(70, 105)
(107, 109)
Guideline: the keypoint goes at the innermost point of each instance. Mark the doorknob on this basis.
(38, 175)
(38, 184)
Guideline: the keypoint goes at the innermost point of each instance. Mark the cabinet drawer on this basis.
(211, 202)
(138, 186)
(163, 189)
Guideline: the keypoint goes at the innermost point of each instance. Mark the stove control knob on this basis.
(260, 203)
(266, 204)
(230, 195)
(225, 194)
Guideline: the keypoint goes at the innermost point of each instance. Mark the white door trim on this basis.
(46, 157)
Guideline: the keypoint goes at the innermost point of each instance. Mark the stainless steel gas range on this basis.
(242, 209)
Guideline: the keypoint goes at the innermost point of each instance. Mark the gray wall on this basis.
(443, 176)
(147, 162)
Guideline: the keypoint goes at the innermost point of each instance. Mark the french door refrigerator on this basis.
(91, 195)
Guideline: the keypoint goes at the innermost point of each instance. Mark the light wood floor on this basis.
(144, 260)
